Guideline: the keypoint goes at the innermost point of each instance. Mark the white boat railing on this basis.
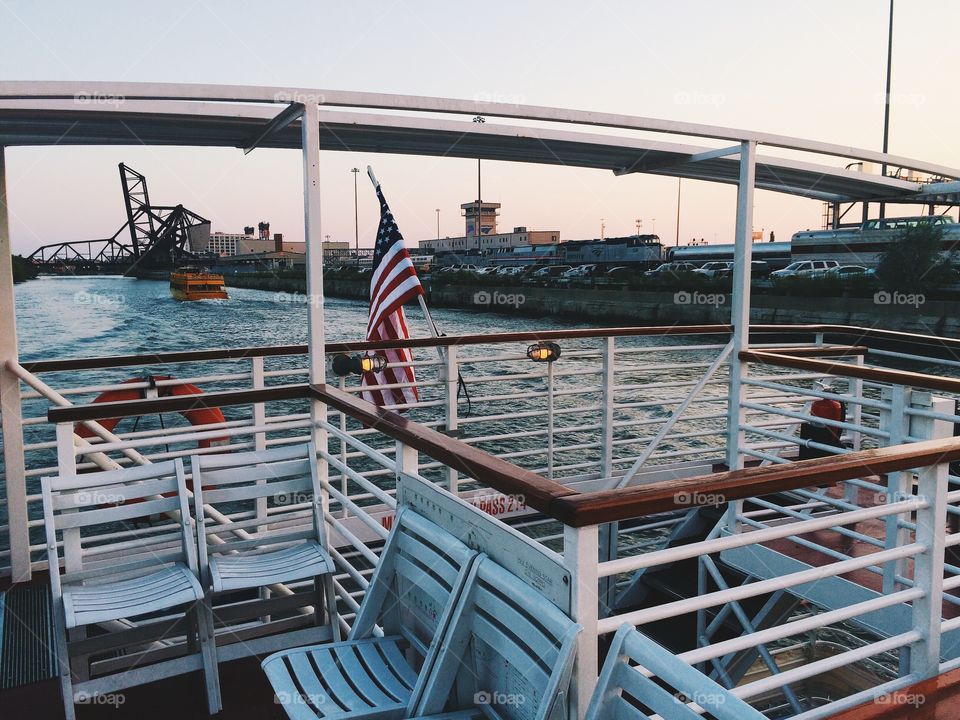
(573, 510)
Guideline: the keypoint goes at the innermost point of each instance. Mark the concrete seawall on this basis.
(622, 306)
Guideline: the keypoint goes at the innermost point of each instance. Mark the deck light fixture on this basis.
(344, 365)
(544, 352)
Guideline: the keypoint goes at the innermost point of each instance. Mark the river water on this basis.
(95, 316)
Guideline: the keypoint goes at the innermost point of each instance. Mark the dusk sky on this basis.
(813, 69)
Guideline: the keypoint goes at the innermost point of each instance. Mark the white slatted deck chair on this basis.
(420, 575)
(143, 577)
(264, 550)
(507, 655)
(625, 693)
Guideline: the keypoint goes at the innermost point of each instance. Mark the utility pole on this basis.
(438, 223)
(356, 216)
(886, 103)
(677, 243)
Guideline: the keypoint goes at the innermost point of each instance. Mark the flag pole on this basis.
(431, 325)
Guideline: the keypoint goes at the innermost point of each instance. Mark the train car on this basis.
(864, 244)
(633, 250)
(777, 255)
(525, 255)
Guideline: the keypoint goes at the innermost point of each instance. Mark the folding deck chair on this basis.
(508, 653)
(624, 693)
(262, 550)
(411, 596)
(150, 571)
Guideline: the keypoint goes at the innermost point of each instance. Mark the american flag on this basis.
(394, 283)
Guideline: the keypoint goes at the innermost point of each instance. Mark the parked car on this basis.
(715, 269)
(619, 274)
(805, 268)
(848, 271)
(545, 273)
(671, 268)
(581, 274)
(488, 270)
(759, 269)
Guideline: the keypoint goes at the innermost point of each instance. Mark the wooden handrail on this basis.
(862, 372)
(548, 496)
(529, 488)
(857, 334)
(605, 506)
(178, 403)
(39, 366)
(825, 351)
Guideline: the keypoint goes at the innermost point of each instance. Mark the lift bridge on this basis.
(160, 237)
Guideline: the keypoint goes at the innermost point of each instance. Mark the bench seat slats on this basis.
(233, 572)
(149, 593)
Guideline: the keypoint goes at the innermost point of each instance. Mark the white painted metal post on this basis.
(896, 422)
(580, 555)
(609, 532)
(259, 420)
(344, 480)
(740, 314)
(310, 133)
(740, 302)
(550, 420)
(931, 524)
(607, 400)
(10, 409)
(408, 459)
(450, 371)
(313, 237)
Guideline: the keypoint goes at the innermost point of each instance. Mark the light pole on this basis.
(653, 225)
(478, 119)
(639, 223)
(677, 243)
(438, 223)
(886, 103)
(356, 216)
(603, 228)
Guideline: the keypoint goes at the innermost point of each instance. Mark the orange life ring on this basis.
(200, 416)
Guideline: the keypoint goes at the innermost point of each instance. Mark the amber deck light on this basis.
(544, 352)
(344, 365)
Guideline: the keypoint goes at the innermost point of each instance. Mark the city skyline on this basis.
(681, 62)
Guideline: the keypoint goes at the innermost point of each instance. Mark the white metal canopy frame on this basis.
(71, 113)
